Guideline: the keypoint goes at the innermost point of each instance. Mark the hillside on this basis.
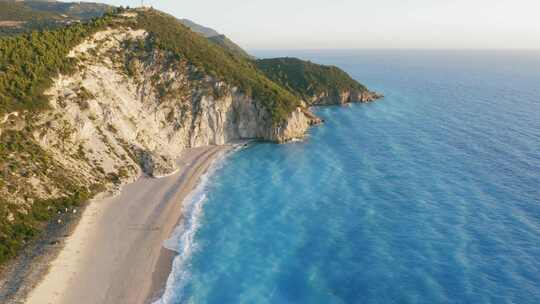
(23, 16)
(212, 60)
(316, 84)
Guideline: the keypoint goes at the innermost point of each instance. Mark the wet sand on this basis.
(115, 255)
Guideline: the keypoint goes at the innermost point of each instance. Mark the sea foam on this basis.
(182, 239)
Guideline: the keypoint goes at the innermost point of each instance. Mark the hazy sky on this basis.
(308, 24)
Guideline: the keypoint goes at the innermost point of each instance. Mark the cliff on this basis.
(147, 115)
(121, 105)
(316, 84)
(87, 108)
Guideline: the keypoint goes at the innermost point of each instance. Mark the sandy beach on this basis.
(115, 255)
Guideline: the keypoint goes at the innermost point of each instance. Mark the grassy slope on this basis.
(307, 79)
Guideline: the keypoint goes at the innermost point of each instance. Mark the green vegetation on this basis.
(19, 17)
(29, 62)
(18, 11)
(15, 17)
(21, 159)
(15, 234)
(168, 34)
(307, 79)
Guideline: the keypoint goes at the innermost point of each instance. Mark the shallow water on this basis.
(428, 196)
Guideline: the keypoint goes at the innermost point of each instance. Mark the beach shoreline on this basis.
(116, 254)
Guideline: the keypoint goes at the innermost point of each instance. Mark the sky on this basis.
(364, 24)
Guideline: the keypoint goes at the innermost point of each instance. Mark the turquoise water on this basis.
(431, 195)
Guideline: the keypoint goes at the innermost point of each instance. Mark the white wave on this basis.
(297, 139)
(182, 239)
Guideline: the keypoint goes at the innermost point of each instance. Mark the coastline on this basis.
(96, 264)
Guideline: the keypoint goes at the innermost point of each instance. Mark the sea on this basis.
(430, 195)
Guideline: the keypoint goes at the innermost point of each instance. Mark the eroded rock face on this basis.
(328, 98)
(155, 165)
(295, 126)
(121, 114)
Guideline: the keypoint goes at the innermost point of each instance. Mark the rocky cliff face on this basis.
(344, 97)
(126, 110)
(120, 113)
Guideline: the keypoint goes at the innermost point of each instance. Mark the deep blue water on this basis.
(431, 195)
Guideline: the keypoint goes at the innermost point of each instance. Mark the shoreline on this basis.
(96, 263)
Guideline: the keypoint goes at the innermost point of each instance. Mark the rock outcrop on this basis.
(314, 83)
(344, 97)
